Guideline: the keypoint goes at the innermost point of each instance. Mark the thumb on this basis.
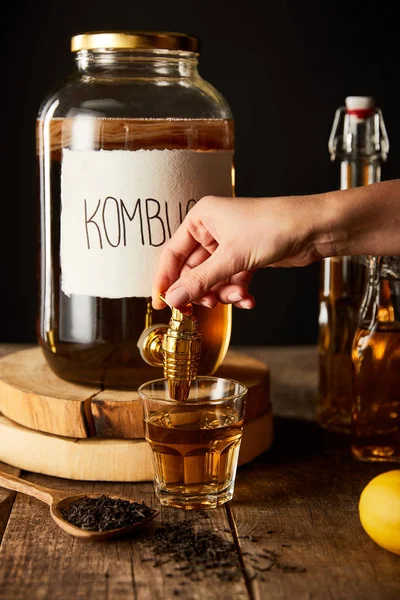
(194, 284)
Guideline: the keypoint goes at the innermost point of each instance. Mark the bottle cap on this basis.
(360, 106)
(142, 40)
(351, 137)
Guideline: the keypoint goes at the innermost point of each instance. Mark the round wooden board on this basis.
(33, 396)
(97, 459)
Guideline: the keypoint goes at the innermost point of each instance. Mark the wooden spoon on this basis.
(59, 500)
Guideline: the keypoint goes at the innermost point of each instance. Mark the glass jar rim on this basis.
(147, 395)
(135, 40)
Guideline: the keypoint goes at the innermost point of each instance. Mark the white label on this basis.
(119, 207)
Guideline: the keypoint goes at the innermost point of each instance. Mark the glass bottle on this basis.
(126, 146)
(376, 360)
(359, 140)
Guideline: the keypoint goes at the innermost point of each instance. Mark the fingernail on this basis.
(234, 297)
(245, 304)
(178, 297)
(206, 303)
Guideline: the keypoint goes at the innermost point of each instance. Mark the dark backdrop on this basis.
(284, 67)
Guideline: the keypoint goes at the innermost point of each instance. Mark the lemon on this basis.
(380, 510)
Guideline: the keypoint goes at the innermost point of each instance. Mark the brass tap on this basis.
(177, 347)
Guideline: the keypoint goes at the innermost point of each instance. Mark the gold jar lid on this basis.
(147, 40)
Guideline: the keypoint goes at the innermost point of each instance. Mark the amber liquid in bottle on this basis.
(94, 340)
(376, 408)
(340, 295)
(341, 290)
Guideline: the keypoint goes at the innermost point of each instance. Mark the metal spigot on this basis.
(176, 347)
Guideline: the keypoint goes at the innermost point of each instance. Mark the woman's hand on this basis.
(221, 241)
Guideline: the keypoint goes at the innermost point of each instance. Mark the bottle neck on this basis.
(355, 173)
(145, 64)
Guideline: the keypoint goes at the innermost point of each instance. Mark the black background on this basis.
(284, 67)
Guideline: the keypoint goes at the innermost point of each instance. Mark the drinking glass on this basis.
(195, 443)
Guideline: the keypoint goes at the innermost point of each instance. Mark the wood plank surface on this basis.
(294, 378)
(296, 508)
(39, 561)
(6, 499)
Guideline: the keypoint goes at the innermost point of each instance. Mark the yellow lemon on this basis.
(380, 510)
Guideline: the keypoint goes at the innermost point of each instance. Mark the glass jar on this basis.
(376, 362)
(126, 146)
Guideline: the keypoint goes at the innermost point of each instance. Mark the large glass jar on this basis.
(126, 146)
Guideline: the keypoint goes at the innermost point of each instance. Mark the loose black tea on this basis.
(104, 513)
(270, 560)
(197, 553)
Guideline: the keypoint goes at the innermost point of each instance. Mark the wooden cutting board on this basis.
(95, 459)
(33, 396)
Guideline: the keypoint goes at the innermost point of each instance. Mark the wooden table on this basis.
(299, 499)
